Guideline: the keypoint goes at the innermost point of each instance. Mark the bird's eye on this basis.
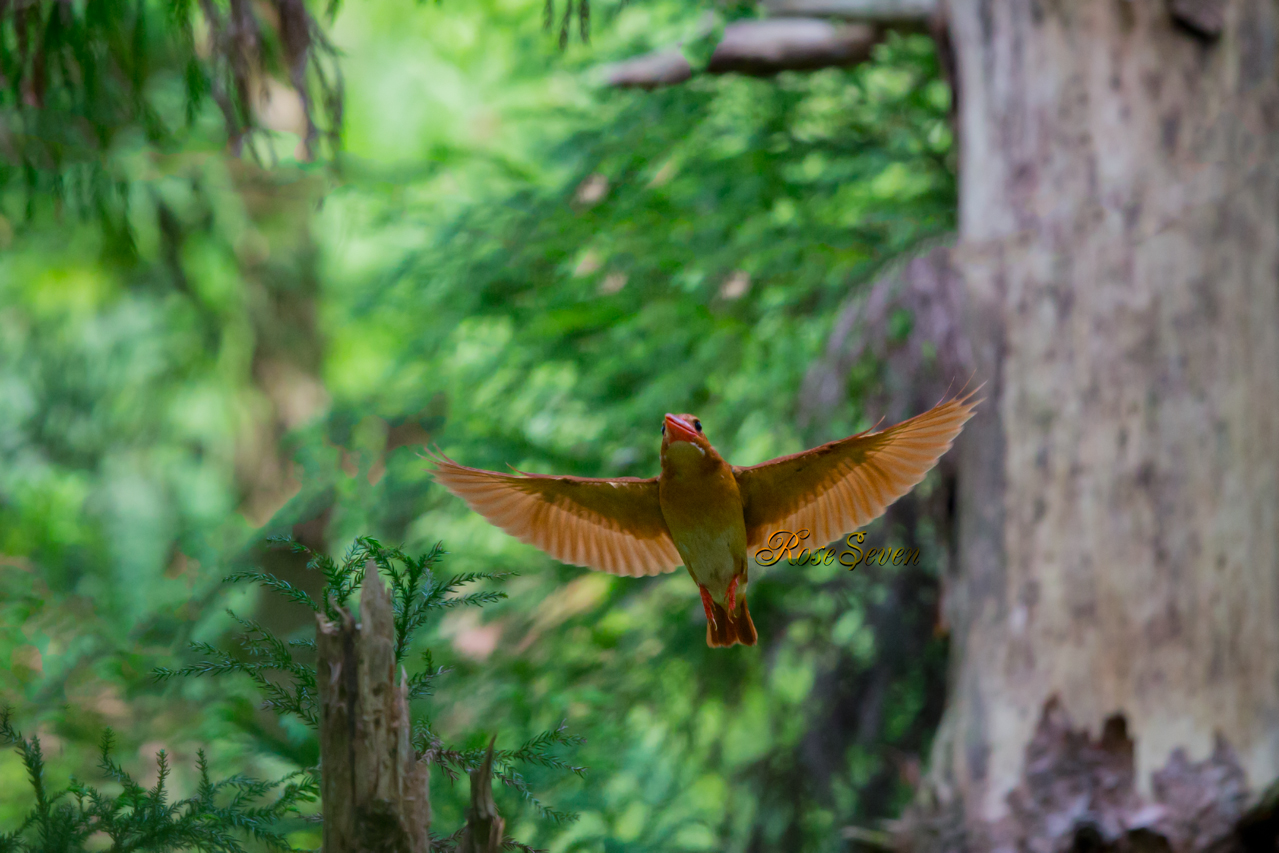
(663, 429)
(697, 424)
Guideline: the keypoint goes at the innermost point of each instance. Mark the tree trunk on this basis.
(374, 790)
(1119, 489)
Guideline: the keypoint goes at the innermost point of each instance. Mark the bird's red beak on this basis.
(678, 430)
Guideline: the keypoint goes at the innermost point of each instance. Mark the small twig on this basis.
(870, 837)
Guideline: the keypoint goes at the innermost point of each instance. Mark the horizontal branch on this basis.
(892, 13)
(759, 48)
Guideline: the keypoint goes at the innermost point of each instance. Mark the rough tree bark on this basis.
(374, 790)
(1118, 568)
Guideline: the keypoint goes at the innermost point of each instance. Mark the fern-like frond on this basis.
(137, 819)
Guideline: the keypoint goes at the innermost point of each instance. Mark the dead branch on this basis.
(484, 826)
(758, 48)
(888, 13)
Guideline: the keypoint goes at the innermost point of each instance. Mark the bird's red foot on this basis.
(706, 602)
(732, 594)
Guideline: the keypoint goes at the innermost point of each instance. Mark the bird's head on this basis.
(683, 439)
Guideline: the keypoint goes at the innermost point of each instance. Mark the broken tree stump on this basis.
(374, 791)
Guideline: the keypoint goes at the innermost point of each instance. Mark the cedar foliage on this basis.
(77, 77)
(416, 594)
(141, 818)
(144, 819)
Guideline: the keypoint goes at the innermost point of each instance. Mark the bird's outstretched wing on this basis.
(838, 487)
(614, 526)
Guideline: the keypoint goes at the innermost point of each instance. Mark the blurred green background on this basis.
(508, 260)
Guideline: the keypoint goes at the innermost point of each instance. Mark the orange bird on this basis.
(705, 514)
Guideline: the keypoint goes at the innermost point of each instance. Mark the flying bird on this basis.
(705, 514)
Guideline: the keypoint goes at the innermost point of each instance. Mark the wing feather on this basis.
(841, 486)
(613, 526)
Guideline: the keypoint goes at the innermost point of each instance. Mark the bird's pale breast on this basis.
(703, 511)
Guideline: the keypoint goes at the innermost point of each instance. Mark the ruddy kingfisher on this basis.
(705, 514)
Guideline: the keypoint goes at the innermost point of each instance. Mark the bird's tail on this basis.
(729, 629)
